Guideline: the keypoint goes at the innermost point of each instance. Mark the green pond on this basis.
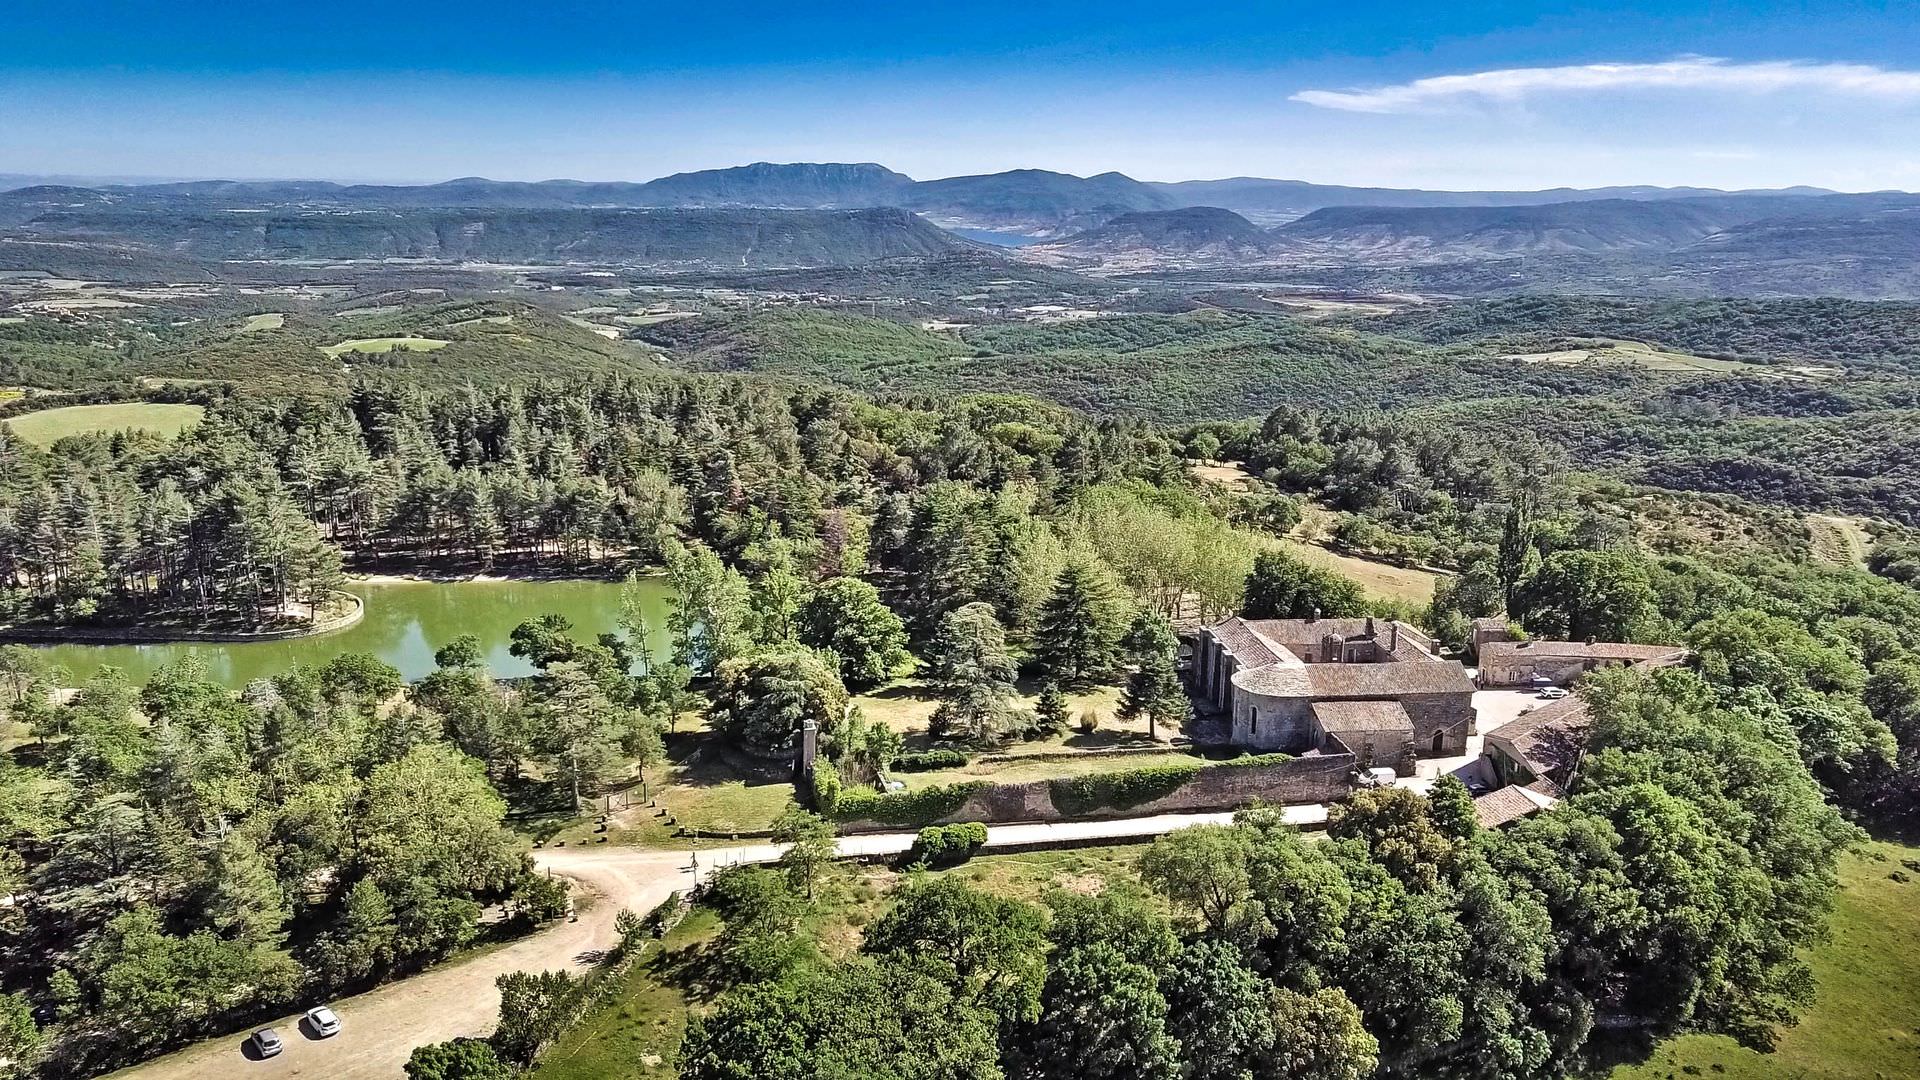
(405, 622)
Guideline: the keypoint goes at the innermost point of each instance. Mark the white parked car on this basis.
(1553, 693)
(323, 1021)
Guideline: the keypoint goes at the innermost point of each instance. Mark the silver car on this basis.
(323, 1021)
(266, 1042)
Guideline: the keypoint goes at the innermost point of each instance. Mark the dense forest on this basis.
(186, 859)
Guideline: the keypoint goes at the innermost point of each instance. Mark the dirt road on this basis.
(379, 1029)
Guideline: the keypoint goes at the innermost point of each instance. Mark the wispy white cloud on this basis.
(1510, 85)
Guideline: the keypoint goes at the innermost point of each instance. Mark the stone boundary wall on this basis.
(133, 635)
(1214, 788)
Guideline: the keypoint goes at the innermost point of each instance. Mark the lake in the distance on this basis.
(405, 623)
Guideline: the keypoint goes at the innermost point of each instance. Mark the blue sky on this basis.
(1363, 91)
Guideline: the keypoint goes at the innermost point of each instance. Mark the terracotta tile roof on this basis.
(1507, 652)
(1503, 807)
(1387, 680)
(1547, 739)
(1361, 716)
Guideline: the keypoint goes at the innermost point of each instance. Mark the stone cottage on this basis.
(1561, 663)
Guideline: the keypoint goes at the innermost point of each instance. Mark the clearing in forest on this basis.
(1842, 541)
(1639, 354)
(44, 427)
(1381, 579)
(384, 345)
(272, 320)
(1232, 474)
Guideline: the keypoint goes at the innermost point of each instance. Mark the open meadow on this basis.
(47, 426)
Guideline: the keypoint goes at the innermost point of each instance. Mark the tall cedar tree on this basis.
(1077, 638)
(972, 673)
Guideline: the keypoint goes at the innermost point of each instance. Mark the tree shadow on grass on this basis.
(696, 969)
(1106, 739)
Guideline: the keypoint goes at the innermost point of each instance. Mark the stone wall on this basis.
(1214, 788)
(1448, 715)
(1274, 723)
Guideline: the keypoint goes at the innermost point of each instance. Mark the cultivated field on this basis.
(272, 320)
(44, 427)
(1384, 580)
(1840, 540)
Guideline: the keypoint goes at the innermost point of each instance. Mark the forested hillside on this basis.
(699, 237)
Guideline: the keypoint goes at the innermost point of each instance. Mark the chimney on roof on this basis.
(1315, 617)
(1369, 626)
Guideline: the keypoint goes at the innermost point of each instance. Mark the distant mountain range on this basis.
(1033, 200)
(1192, 232)
(1796, 241)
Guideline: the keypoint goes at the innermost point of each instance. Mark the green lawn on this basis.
(384, 345)
(701, 785)
(44, 427)
(1865, 1024)
(1018, 771)
(906, 705)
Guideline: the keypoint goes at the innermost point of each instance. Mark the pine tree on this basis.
(1051, 709)
(1076, 639)
(1153, 688)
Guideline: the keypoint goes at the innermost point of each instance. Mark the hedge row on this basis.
(948, 845)
(898, 807)
(1258, 759)
(1119, 790)
(929, 760)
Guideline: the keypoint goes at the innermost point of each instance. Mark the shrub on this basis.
(929, 760)
(826, 790)
(948, 845)
(903, 807)
(540, 899)
(1119, 790)
(459, 1059)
